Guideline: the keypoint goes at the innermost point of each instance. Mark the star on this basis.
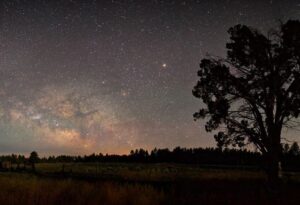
(164, 65)
(124, 93)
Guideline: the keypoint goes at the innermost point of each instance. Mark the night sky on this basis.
(79, 77)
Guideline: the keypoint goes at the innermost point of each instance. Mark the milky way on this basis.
(78, 77)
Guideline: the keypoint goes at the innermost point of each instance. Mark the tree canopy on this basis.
(34, 157)
(255, 90)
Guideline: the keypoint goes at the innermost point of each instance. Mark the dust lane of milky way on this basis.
(108, 76)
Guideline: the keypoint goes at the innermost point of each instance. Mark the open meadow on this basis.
(130, 183)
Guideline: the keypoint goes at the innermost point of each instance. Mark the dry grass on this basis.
(149, 172)
(29, 190)
(138, 184)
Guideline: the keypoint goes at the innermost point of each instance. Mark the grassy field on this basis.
(117, 183)
(146, 172)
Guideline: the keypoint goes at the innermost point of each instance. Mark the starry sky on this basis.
(78, 77)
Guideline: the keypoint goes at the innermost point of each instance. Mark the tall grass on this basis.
(155, 185)
(30, 190)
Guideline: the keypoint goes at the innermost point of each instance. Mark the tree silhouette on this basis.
(33, 158)
(254, 91)
(294, 149)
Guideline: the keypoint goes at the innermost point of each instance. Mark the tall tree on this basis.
(254, 91)
(294, 149)
(33, 158)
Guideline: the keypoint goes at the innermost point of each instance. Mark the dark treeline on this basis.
(205, 156)
(177, 155)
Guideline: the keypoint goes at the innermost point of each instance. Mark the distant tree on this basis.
(294, 149)
(285, 148)
(254, 91)
(33, 158)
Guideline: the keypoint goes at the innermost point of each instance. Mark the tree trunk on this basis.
(273, 169)
(273, 156)
(33, 166)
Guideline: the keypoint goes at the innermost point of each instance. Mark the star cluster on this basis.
(109, 76)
